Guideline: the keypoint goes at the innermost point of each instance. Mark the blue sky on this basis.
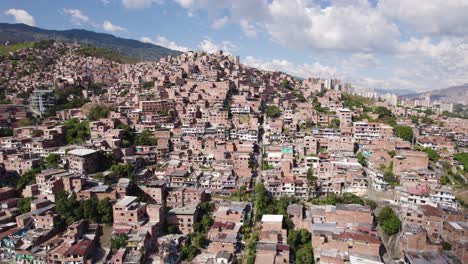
(393, 44)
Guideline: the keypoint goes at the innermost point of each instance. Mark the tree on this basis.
(53, 160)
(120, 171)
(361, 159)
(128, 135)
(146, 138)
(27, 178)
(119, 241)
(37, 133)
(261, 200)
(389, 177)
(463, 159)
(25, 122)
(273, 111)
(6, 132)
(335, 123)
(446, 246)
(310, 176)
(285, 84)
(304, 255)
(24, 205)
(432, 154)
(389, 221)
(404, 132)
(189, 252)
(97, 112)
(104, 209)
(76, 132)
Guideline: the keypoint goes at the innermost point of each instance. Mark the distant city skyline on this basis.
(382, 44)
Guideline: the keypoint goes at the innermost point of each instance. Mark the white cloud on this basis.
(21, 16)
(208, 45)
(76, 16)
(248, 29)
(410, 44)
(185, 3)
(164, 42)
(138, 4)
(344, 26)
(220, 22)
(108, 26)
(305, 70)
(361, 61)
(435, 17)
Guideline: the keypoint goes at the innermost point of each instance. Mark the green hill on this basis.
(21, 33)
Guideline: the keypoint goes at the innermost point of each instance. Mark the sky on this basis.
(408, 45)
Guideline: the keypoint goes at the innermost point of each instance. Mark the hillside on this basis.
(19, 33)
(454, 94)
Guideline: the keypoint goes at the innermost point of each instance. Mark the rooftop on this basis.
(188, 210)
(82, 152)
(272, 218)
(126, 201)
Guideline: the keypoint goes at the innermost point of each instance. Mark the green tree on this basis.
(273, 111)
(27, 178)
(361, 159)
(104, 209)
(463, 159)
(189, 252)
(37, 133)
(24, 205)
(285, 84)
(128, 135)
(146, 138)
(432, 154)
(53, 160)
(90, 209)
(389, 177)
(6, 132)
(120, 171)
(119, 241)
(148, 85)
(310, 176)
(389, 221)
(97, 112)
(304, 255)
(404, 132)
(25, 122)
(76, 132)
(446, 246)
(261, 200)
(335, 123)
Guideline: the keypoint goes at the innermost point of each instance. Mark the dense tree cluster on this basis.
(71, 210)
(463, 159)
(389, 221)
(273, 111)
(76, 131)
(345, 198)
(404, 132)
(197, 239)
(301, 246)
(97, 112)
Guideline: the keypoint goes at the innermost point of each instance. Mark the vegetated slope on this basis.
(19, 33)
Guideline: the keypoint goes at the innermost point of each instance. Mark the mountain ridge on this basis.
(453, 94)
(17, 33)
